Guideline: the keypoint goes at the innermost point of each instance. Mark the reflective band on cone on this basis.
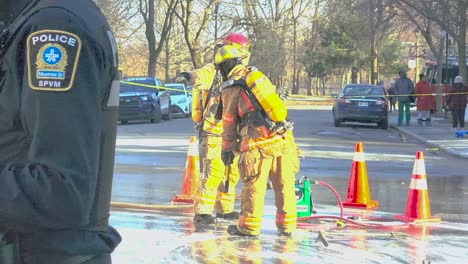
(193, 149)
(418, 184)
(359, 157)
(419, 167)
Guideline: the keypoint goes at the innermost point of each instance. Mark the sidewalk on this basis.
(439, 135)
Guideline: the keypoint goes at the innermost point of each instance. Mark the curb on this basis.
(445, 149)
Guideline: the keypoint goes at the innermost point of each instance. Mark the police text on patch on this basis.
(54, 38)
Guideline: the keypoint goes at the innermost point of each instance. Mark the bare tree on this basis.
(297, 10)
(451, 16)
(380, 16)
(269, 22)
(120, 15)
(430, 32)
(193, 35)
(147, 9)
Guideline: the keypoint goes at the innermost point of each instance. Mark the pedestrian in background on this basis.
(425, 102)
(391, 96)
(404, 89)
(381, 83)
(59, 107)
(456, 100)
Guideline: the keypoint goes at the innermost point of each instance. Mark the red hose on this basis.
(342, 218)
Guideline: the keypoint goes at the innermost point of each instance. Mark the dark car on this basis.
(141, 99)
(361, 103)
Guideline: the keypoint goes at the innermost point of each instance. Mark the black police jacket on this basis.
(58, 116)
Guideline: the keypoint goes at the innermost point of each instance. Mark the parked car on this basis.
(181, 100)
(361, 103)
(141, 99)
(189, 90)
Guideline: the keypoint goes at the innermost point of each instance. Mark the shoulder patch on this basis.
(52, 57)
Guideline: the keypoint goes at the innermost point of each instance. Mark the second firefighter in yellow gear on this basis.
(212, 194)
(268, 150)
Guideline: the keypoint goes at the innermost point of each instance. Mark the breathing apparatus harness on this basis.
(258, 117)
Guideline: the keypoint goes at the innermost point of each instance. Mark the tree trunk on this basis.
(151, 39)
(323, 86)
(317, 82)
(167, 68)
(295, 87)
(373, 77)
(147, 10)
(354, 75)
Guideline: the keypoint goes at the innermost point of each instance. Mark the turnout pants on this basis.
(458, 118)
(212, 194)
(255, 167)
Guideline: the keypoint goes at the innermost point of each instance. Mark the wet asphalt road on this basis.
(150, 159)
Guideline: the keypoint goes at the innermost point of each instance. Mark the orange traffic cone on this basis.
(191, 174)
(358, 187)
(417, 204)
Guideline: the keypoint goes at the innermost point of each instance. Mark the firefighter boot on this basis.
(203, 219)
(232, 230)
(229, 216)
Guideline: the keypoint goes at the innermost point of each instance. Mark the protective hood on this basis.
(226, 67)
(10, 9)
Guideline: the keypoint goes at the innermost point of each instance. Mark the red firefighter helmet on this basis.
(237, 40)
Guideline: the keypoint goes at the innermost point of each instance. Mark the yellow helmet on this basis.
(241, 42)
(225, 53)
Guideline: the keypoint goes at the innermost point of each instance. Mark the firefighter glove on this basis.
(227, 157)
(182, 78)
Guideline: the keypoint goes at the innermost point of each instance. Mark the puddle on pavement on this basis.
(169, 236)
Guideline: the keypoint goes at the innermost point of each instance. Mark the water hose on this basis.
(341, 216)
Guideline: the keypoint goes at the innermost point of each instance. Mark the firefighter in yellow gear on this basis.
(214, 193)
(252, 110)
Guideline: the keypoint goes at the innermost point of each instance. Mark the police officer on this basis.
(206, 97)
(253, 111)
(58, 98)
